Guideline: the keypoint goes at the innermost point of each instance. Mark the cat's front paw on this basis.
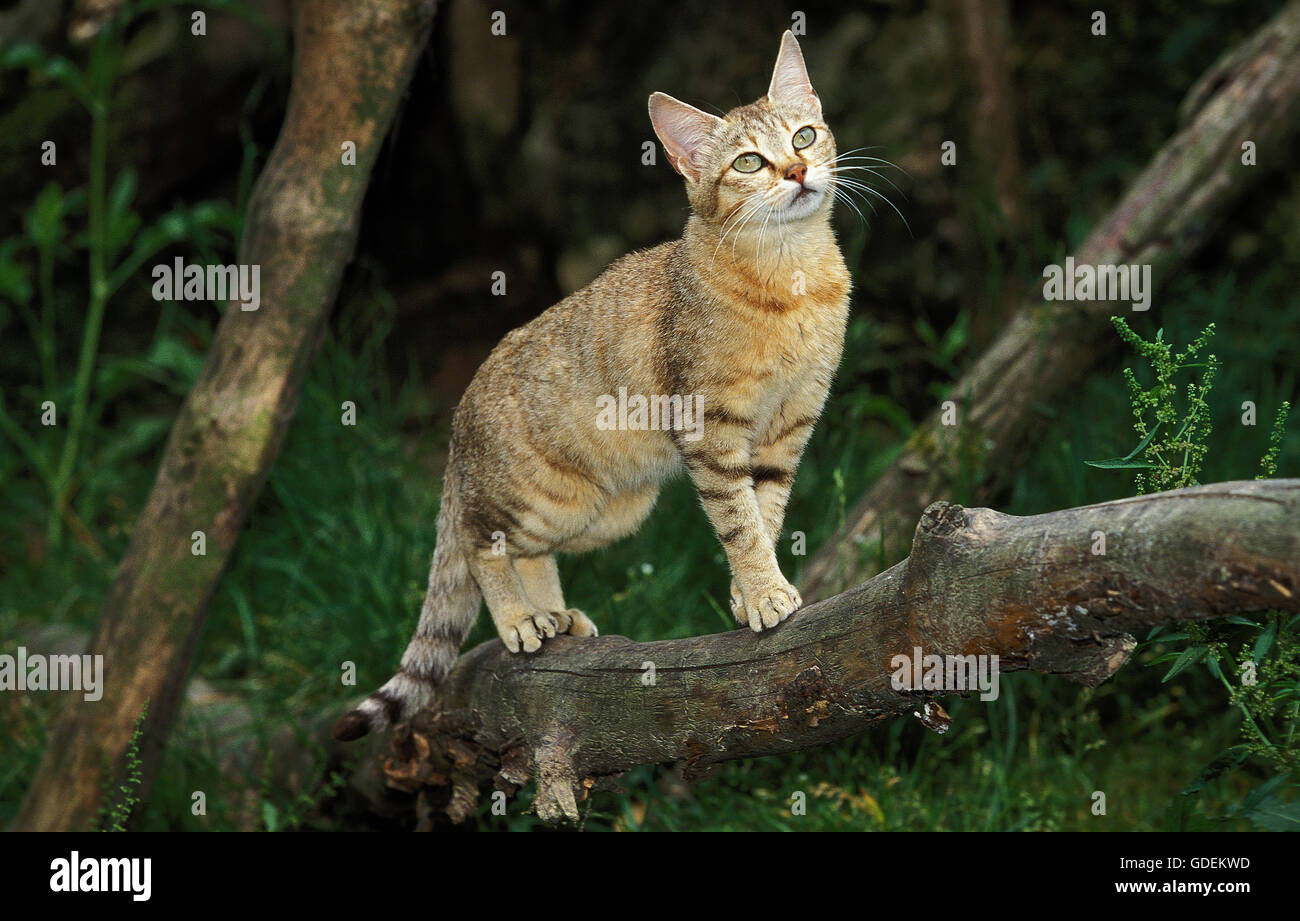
(738, 605)
(575, 623)
(767, 607)
(524, 632)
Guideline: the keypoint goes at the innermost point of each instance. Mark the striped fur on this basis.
(746, 313)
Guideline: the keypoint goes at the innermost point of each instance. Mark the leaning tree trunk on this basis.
(352, 62)
(1251, 94)
(1036, 592)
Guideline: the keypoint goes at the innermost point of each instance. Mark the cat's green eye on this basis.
(804, 136)
(748, 163)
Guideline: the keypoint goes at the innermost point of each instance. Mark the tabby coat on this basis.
(744, 315)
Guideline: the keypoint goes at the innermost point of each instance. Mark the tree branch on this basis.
(1033, 591)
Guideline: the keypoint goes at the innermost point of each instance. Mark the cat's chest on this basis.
(771, 361)
(761, 335)
(792, 317)
(787, 345)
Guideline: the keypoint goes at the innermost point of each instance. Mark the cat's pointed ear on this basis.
(790, 81)
(683, 130)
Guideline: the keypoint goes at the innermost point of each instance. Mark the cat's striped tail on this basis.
(450, 607)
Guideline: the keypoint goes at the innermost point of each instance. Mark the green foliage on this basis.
(1257, 661)
(1175, 461)
(79, 251)
(1268, 463)
(116, 808)
(97, 224)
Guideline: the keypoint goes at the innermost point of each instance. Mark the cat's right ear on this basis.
(683, 130)
(790, 81)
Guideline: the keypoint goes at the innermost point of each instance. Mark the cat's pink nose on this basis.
(797, 173)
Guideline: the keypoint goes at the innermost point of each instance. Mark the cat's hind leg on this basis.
(520, 623)
(541, 579)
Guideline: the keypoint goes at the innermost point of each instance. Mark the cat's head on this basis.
(769, 162)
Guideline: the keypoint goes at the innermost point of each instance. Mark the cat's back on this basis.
(593, 341)
(608, 322)
(630, 287)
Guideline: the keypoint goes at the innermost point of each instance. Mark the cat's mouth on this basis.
(802, 202)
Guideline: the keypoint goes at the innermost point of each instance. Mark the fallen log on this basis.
(1060, 593)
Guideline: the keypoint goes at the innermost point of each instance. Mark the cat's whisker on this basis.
(872, 167)
(847, 158)
(740, 208)
(780, 249)
(736, 230)
(864, 188)
(840, 195)
(851, 187)
(858, 150)
(875, 168)
(731, 216)
(762, 235)
(838, 170)
(848, 199)
(736, 236)
(776, 195)
(863, 159)
(738, 215)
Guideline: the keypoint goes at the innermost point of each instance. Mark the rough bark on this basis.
(1253, 94)
(1031, 591)
(352, 62)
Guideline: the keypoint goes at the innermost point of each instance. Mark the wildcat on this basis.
(745, 315)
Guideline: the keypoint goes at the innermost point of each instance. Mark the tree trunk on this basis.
(992, 203)
(1035, 592)
(1252, 94)
(352, 62)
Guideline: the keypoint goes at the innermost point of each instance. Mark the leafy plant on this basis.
(1175, 461)
(1268, 463)
(100, 221)
(1257, 660)
(116, 809)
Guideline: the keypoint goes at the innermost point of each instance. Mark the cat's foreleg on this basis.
(776, 460)
(519, 622)
(541, 579)
(722, 471)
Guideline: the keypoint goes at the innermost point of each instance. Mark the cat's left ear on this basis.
(790, 81)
